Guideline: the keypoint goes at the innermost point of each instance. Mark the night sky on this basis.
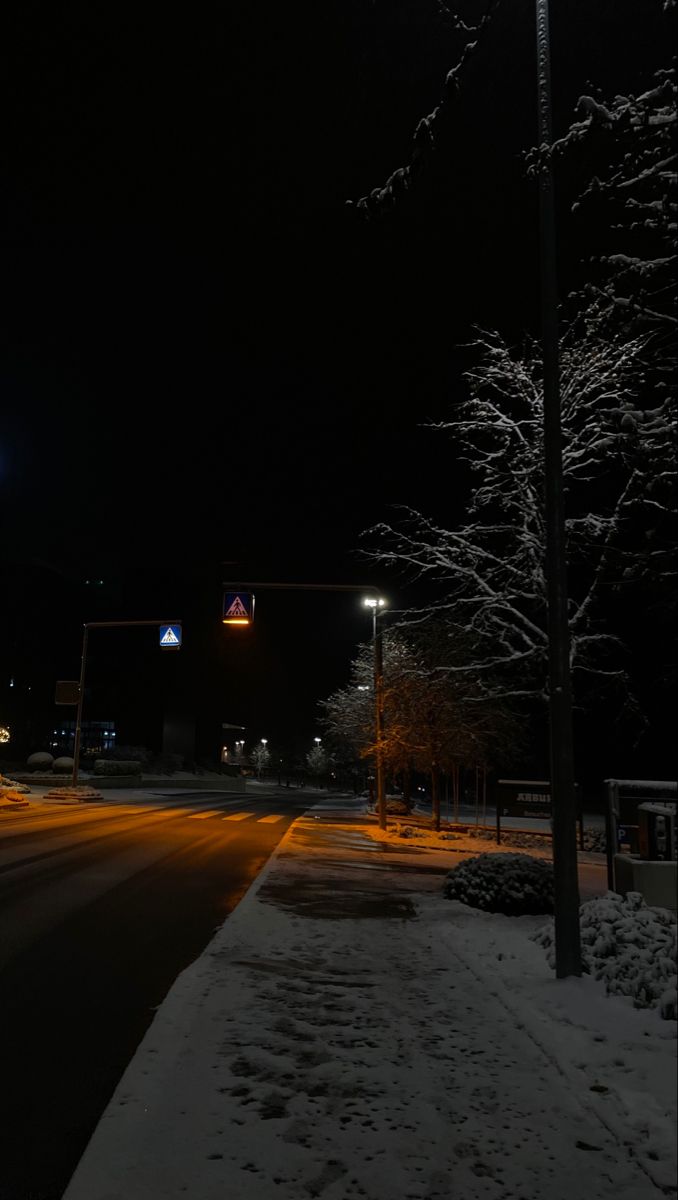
(207, 358)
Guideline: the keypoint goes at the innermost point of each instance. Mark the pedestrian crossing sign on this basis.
(238, 608)
(170, 637)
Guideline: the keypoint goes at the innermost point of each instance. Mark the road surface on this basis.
(101, 906)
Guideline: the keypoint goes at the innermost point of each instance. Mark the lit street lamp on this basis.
(376, 603)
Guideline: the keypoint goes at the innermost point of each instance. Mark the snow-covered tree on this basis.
(261, 757)
(619, 470)
(318, 762)
(434, 722)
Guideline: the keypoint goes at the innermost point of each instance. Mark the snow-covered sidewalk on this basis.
(349, 1032)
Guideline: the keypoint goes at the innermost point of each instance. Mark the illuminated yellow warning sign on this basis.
(238, 608)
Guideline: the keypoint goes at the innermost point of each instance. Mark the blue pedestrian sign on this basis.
(238, 608)
(170, 637)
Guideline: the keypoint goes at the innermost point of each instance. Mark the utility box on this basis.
(656, 881)
(657, 831)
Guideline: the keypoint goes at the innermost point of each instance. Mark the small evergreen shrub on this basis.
(507, 883)
(40, 761)
(63, 765)
(127, 754)
(165, 764)
(105, 766)
(628, 944)
(7, 784)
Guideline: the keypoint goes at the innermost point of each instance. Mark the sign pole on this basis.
(81, 696)
(78, 714)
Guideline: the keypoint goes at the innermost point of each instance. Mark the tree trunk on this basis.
(407, 786)
(435, 796)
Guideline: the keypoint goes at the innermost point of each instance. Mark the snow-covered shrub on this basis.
(628, 945)
(105, 766)
(164, 764)
(408, 831)
(62, 766)
(127, 754)
(40, 761)
(506, 883)
(512, 837)
(13, 785)
(594, 839)
(397, 805)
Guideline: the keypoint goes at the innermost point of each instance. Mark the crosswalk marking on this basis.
(212, 812)
(270, 818)
(238, 816)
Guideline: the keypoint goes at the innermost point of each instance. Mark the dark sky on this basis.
(204, 357)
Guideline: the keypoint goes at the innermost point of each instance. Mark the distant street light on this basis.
(376, 603)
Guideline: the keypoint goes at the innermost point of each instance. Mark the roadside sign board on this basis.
(238, 608)
(530, 798)
(170, 637)
(67, 691)
(523, 797)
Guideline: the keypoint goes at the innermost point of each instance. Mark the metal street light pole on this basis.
(379, 702)
(376, 604)
(566, 885)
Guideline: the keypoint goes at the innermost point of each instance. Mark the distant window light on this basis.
(11, 683)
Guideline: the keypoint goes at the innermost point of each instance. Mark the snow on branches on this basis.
(634, 190)
(427, 135)
(619, 469)
(432, 718)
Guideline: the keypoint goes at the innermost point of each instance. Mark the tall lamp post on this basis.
(376, 603)
(566, 886)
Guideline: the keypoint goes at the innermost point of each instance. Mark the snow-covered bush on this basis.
(506, 883)
(105, 766)
(40, 761)
(397, 805)
(62, 766)
(595, 840)
(12, 785)
(628, 945)
(127, 754)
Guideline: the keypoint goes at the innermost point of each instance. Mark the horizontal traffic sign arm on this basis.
(306, 587)
(112, 624)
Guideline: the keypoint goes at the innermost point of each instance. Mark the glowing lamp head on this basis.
(374, 602)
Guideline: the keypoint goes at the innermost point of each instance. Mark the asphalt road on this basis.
(101, 907)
